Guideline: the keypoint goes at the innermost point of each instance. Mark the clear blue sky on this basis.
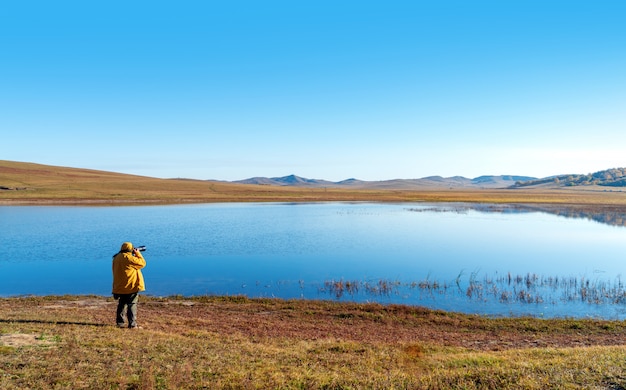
(330, 90)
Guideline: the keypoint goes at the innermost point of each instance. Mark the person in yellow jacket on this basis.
(127, 283)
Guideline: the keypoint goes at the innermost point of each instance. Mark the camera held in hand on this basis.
(141, 248)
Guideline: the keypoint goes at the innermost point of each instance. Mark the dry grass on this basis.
(41, 184)
(239, 343)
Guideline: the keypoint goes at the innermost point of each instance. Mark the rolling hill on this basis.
(615, 177)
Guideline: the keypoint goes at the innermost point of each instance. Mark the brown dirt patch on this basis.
(17, 340)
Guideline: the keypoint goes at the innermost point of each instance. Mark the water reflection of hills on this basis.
(606, 214)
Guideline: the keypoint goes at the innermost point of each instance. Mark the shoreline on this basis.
(557, 200)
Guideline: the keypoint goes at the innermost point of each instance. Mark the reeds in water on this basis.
(352, 287)
(527, 288)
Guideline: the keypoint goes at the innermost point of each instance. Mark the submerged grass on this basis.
(240, 343)
(530, 288)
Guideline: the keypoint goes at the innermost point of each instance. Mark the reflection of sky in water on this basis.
(291, 250)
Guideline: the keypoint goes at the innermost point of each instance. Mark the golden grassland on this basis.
(241, 343)
(30, 183)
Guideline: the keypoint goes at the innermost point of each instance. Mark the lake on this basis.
(485, 259)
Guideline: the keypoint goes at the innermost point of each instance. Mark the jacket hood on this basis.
(127, 247)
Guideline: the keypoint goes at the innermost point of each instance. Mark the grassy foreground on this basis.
(240, 343)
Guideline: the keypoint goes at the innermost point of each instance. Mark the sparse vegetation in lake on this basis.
(546, 292)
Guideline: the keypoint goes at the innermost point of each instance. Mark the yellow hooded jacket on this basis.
(127, 276)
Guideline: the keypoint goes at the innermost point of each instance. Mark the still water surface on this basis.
(475, 259)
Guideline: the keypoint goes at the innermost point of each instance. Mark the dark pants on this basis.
(128, 303)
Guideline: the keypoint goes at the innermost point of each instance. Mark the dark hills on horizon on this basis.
(614, 177)
(407, 184)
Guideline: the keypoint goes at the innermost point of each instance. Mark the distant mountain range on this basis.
(502, 181)
(615, 177)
